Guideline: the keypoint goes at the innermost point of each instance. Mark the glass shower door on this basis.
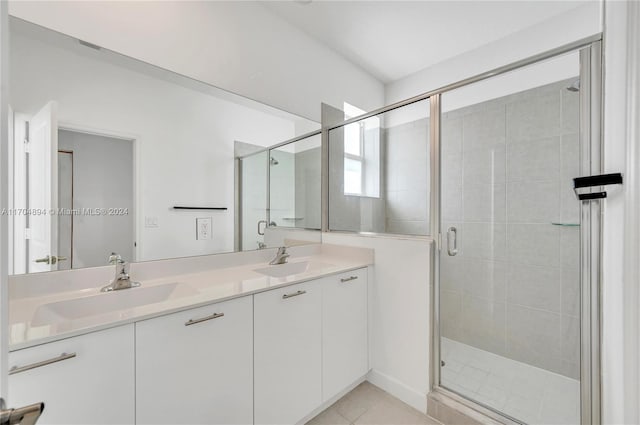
(509, 292)
(253, 200)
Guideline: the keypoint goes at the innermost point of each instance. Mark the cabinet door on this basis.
(196, 366)
(287, 324)
(344, 331)
(92, 384)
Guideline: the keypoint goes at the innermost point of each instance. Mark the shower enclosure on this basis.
(485, 168)
(516, 325)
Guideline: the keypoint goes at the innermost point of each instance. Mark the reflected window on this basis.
(361, 154)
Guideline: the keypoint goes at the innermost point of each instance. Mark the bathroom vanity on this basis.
(235, 342)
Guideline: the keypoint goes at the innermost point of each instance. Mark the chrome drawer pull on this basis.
(347, 279)
(61, 357)
(203, 319)
(295, 294)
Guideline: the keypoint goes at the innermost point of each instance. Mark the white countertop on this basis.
(55, 315)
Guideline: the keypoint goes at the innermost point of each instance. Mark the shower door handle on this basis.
(452, 241)
(261, 233)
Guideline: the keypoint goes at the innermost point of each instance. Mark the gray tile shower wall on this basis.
(406, 167)
(308, 191)
(513, 289)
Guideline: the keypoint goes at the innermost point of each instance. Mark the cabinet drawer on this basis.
(88, 379)
(196, 366)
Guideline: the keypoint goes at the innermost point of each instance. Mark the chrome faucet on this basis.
(122, 279)
(281, 256)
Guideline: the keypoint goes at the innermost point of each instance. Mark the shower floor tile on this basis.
(525, 392)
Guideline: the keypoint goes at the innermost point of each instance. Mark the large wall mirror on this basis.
(113, 155)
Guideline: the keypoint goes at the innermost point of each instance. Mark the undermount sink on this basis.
(110, 302)
(289, 269)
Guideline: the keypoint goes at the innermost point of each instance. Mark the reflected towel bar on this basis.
(177, 207)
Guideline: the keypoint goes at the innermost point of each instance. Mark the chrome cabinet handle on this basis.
(452, 234)
(61, 357)
(203, 319)
(295, 294)
(347, 279)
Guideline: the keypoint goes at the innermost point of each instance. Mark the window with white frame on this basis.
(361, 155)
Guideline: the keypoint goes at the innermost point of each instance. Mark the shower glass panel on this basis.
(379, 173)
(509, 288)
(295, 178)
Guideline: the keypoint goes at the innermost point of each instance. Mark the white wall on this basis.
(621, 235)
(4, 198)
(579, 23)
(399, 313)
(238, 46)
(185, 138)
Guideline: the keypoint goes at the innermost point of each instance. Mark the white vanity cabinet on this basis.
(274, 357)
(196, 366)
(288, 350)
(345, 354)
(87, 379)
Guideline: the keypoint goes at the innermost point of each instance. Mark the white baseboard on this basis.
(399, 390)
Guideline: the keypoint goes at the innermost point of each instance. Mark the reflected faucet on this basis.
(281, 256)
(122, 279)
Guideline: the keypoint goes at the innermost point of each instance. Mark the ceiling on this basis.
(393, 39)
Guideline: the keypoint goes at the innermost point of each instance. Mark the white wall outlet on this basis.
(203, 228)
(151, 222)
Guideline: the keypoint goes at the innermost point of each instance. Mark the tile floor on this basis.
(369, 405)
(524, 392)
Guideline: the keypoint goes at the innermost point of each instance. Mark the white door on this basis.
(42, 177)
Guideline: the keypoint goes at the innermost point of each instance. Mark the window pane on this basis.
(352, 177)
(352, 139)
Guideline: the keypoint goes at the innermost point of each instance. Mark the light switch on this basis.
(151, 222)
(203, 228)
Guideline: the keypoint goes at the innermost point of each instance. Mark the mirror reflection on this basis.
(294, 179)
(112, 155)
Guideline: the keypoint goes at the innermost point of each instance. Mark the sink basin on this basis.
(289, 269)
(110, 302)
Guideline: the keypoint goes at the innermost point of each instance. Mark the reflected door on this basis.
(42, 183)
(509, 267)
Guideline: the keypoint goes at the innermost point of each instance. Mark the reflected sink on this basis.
(289, 269)
(110, 302)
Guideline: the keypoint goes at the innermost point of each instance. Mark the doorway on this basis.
(100, 219)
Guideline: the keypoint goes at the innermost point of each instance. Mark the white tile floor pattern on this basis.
(369, 405)
(524, 392)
